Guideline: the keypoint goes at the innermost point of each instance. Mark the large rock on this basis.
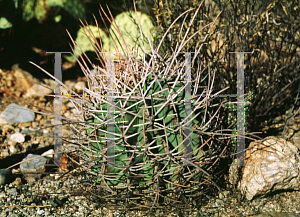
(16, 113)
(33, 166)
(276, 165)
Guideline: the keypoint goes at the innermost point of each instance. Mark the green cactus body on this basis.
(165, 140)
(171, 118)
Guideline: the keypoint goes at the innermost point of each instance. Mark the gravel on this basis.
(66, 197)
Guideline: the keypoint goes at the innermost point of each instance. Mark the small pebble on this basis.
(17, 137)
(18, 181)
(12, 191)
(39, 212)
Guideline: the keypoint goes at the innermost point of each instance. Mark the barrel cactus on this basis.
(148, 129)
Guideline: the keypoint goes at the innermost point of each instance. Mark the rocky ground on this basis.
(50, 196)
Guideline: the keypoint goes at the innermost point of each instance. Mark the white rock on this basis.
(48, 154)
(40, 212)
(13, 149)
(16, 113)
(276, 166)
(17, 137)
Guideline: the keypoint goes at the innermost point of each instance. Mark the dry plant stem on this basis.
(30, 206)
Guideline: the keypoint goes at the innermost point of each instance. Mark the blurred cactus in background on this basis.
(128, 25)
(7, 13)
(54, 9)
(85, 41)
